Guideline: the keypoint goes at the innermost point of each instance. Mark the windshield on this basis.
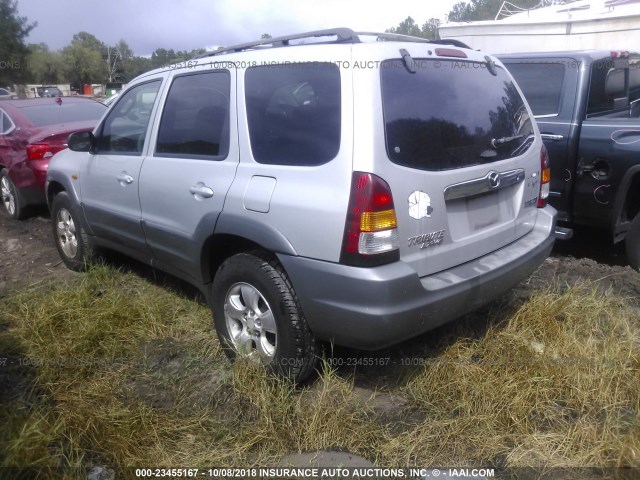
(40, 115)
(452, 114)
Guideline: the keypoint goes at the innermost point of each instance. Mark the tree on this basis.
(430, 29)
(486, 9)
(89, 41)
(84, 64)
(407, 27)
(136, 66)
(410, 27)
(124, 52)
(13, 51)
(161, 57)
(45, 67)
(112, 59)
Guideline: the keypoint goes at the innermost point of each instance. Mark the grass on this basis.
(125, 373)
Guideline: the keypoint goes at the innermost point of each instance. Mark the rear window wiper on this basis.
(496, 142)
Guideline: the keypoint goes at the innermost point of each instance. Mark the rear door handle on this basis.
(200, 191)
(550, 136)
(125, 179)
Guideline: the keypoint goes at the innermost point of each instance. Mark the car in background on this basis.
(7, 94)
(49, 91)
(31, 132)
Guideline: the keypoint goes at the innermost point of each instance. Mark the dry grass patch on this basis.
(557, 384)
(130, 374)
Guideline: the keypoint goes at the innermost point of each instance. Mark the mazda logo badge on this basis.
(494, 179)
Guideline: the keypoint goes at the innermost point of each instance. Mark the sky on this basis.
(188, 24)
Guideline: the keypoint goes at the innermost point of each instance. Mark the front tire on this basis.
(256, 314)
(71, 240)
(632, 243)
(10, 198)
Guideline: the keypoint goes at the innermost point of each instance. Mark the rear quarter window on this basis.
(541, 84)
(614, 83)
(448, 114)
(293, 113)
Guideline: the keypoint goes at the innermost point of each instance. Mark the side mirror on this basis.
(81, 141)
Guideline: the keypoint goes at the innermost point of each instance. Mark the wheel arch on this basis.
(627, 204)
(56, 183)
(237, 233)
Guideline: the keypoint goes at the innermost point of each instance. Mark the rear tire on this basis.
(632, 243)
(256, 314)
(10, 197)
(71, 240)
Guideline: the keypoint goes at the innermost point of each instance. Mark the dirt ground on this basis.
(28, 255)
(27, 252)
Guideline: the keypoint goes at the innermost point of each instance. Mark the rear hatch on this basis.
(461, 156)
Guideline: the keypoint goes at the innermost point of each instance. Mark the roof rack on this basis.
(343, 35)
(408, 38)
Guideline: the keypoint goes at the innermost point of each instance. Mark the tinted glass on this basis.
(541, 84)
(53, 114)
(451, 114)
(4, 92)
(195, 120)
(634, 80)
(6, 123)
(294, 113)
(607, 83)
(125, 127)
(614, 83)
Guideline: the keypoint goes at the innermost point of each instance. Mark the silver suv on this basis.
(316, 187)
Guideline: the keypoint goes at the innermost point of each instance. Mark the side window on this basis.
(5, 123)
(541, 84)
(125, 128)
(293, 113)
(195, 119)
(615, 83)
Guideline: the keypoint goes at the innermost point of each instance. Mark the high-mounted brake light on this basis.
(40, 151)
(450, 52)
(370, 232)
(545, 177)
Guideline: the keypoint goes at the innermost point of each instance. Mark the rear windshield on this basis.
(53, 114)
(452, 114)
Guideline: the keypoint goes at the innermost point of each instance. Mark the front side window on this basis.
(452, 114)
(125, 127)
(293, 113)
(195, 120)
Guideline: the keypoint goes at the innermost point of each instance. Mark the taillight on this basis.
(620, 54)
(545, 177)
(370, 232)
(39, 151)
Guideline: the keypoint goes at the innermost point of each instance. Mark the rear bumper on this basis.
(372, 308)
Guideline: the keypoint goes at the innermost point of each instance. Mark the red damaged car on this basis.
(31, 132)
